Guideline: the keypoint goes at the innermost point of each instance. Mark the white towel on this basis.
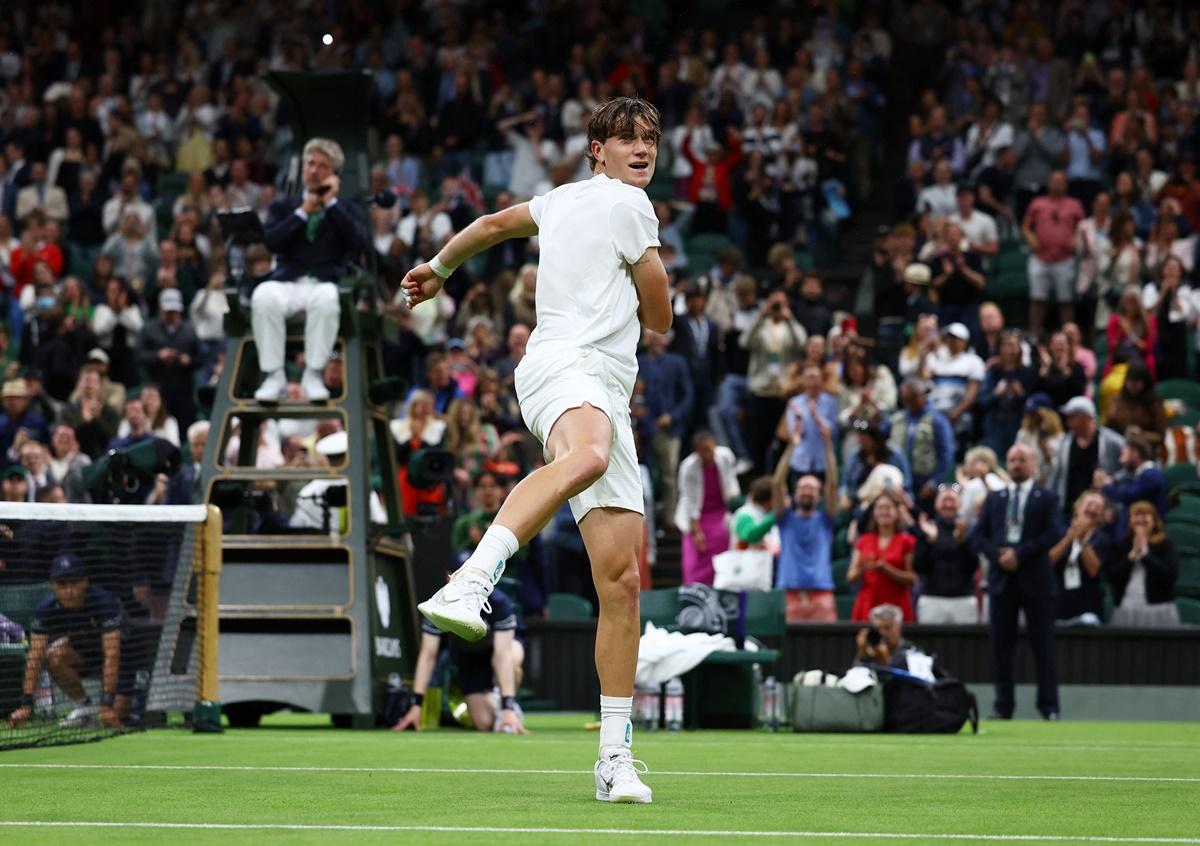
(663, 655)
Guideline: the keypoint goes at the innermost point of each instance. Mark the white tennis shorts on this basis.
(548, 385)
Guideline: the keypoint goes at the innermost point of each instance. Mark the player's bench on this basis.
(720, 692)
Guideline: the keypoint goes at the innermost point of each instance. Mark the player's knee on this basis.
(589, 462)
(621, 590)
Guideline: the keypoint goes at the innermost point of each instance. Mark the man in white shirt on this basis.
(957, 373)
(978, 227)
(126, 200)
(939, 199)
(599, 278)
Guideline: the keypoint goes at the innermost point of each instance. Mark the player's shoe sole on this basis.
(452, 619)
(623, 800)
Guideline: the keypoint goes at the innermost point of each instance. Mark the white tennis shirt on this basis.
(589, 234)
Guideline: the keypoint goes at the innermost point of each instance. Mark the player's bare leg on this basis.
(579, 444)
(613, 538)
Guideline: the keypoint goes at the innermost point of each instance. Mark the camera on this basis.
(874, 638)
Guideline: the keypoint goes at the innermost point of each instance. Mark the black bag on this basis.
(915, 706)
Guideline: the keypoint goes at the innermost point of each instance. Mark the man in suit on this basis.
(50, 200)
(1016, 529)
(315, 238)
(699, 341)
(185, 485)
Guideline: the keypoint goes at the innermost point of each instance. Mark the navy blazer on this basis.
(1042, 528)
(340, 240)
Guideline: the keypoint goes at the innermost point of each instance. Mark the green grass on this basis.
(923, 786)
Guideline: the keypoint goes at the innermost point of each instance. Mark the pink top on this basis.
(1053, 222)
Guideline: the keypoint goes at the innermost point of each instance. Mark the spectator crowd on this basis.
(1049, 155)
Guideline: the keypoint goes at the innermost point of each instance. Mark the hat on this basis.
(957, 330)
(1079, 405)
(1039, 400)
(97, 354)
(336, 444)
(13, 471)
(14, 388)
(170, 300)
(456, 344)
(66, 566)
(917, 273)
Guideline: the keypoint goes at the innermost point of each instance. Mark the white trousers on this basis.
(274, 302)
(947, 609)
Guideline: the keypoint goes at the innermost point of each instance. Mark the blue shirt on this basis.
(668, 388)
(809, 454)
(101, 612)
(1080, 164)
(806, 550)
(943, 439)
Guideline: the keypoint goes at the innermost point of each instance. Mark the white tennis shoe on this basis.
(617, 778)
(81, 717)
(458, 607)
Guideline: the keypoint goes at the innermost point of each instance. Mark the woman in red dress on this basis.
(883, 560)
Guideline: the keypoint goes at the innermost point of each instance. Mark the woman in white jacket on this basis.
(707, 482)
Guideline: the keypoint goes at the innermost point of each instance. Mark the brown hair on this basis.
(1158, 534)
(620, 118)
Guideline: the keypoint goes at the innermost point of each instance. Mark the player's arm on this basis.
(654, 292)
(425, 280)
(34, 662)
(110, 642)
(506, 677)
(426, 659)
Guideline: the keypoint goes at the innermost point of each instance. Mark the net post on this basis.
(206, 566)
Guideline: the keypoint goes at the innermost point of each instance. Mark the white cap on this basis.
(959, 331)
(170, 300)
(1079, 405)
(336, 444)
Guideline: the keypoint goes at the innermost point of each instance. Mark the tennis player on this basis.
(599, 276)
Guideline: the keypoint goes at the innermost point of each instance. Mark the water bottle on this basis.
(43, 697)
(771, 702)
(674, 703)
(646, 700)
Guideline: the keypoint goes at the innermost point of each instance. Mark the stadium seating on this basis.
(1182, 389)
(569, 606)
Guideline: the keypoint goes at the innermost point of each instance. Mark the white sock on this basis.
(496, 546)
(616, 729)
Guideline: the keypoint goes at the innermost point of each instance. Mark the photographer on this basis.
(315, 238)
(883, 642)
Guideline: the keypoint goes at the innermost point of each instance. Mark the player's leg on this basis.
(579, 444)
(64, 664)
(613, 537)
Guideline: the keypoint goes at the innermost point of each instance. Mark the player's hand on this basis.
(108, 716)
(510, 723)
(20, 716)
(420, 284)
(412, 720)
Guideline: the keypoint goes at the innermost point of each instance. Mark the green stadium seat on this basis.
(1180, 474)
(1012, 284)
(709, 242)
(1184, 535)
(1188, 582)
(1189, 610)
(1183, 389)
(18, 601)
(569, 606)
(845, 605)
(1012, 256)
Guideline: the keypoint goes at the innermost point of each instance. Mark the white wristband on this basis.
(439, 269)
